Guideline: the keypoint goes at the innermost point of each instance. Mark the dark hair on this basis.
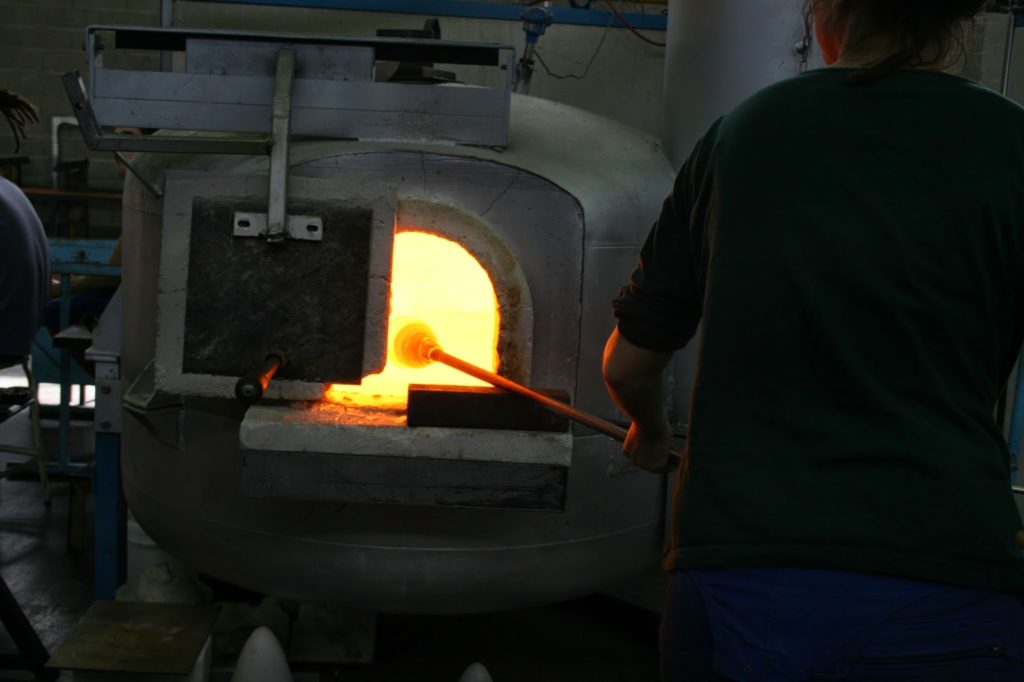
(915, 26)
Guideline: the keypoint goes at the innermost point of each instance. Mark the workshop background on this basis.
(608, 71)
(605, 70)
(45, 551)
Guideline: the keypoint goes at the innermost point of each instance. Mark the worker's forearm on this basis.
(634, 379)
(643, 400)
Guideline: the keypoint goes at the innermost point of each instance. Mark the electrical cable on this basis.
(586, 69)
(625, 22)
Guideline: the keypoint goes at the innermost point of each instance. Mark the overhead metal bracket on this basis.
(97, 140)
(281, 129)
(223, 99)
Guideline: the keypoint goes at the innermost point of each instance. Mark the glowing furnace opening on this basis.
(438, 281)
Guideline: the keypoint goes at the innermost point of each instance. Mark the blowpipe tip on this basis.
(413, 344)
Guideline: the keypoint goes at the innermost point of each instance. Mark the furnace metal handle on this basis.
(250, 388)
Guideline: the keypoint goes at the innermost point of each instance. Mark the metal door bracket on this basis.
(302, 227)
(281, 113)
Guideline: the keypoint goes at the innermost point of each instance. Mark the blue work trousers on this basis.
(790, 625)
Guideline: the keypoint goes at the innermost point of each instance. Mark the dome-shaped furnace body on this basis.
(564, 209)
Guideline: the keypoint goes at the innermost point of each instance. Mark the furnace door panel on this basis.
(227, 300)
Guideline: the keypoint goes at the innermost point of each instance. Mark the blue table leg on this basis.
(64, 423)
(110, 558)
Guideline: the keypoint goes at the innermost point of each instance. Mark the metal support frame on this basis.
(72, 257)
(166, 21)
(227, 88)
(64, 418)
(110, 509)
(97, 140)
(277, 219)
(506, 11)
(35, 451)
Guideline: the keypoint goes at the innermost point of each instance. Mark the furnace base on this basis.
(347, 454)
(389, 480)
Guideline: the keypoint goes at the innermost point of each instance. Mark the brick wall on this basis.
(41, 40)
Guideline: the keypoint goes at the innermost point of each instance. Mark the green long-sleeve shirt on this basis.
(856, 255)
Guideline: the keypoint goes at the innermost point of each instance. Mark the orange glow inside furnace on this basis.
(437, 281)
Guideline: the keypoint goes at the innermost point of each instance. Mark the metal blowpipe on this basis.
(416, 346)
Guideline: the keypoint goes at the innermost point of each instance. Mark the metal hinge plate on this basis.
(305, 227)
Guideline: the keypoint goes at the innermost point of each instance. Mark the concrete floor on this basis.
(596, 639)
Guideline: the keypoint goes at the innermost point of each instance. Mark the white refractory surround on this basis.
(323, 428)
(720, 53)
(515, 304)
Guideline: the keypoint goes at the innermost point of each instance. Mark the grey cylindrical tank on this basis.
(718, 54)
(182, 464)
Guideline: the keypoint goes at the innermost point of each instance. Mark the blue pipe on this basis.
(471, 9)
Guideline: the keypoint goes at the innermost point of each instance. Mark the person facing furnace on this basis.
(852, 242)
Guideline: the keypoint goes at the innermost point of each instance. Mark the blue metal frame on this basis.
(46, 362)
(472, 9)
(86, 252)
(110, 522)
(73, 257)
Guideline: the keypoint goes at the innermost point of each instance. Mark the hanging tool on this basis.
(416, 345)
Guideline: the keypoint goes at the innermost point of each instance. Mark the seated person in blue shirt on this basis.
(25, 254)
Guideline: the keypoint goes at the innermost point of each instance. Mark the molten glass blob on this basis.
(435, 280)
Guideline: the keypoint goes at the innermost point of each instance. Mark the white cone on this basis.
(476, 673)
(201, 670)
(262, 659)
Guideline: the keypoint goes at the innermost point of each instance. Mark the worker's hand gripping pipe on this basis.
(416, 346)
